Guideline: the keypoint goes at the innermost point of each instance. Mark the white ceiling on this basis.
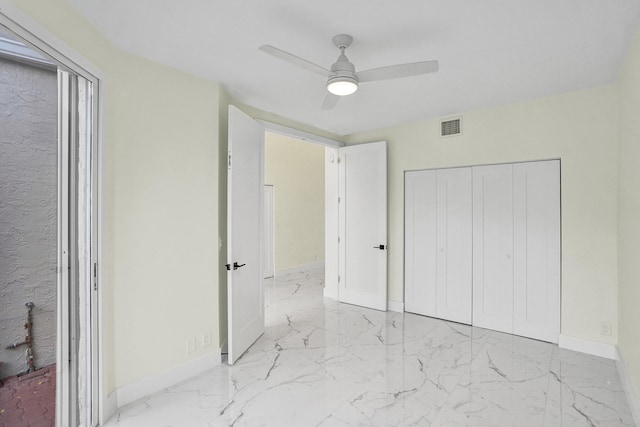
(491, 52)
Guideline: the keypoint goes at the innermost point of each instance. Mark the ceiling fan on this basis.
(342, 78)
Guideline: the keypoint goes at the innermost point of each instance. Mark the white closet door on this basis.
(493, 247)
(454, 234)
(420, 242)
(536, 204)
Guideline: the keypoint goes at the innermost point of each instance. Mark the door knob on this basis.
(235, 266)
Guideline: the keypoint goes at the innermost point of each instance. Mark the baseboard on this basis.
(147, 386)
(301, 267)
(330, 293)
(630, 389)
(109, 407)
(594, 348)
(396, 306)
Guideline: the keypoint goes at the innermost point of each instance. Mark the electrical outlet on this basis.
(206, 339)
(605, 329)
(191, 345)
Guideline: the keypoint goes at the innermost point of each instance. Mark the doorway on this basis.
(49, 145)
(355, 193)
(295, 170)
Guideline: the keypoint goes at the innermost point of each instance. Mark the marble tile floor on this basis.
(323, 363)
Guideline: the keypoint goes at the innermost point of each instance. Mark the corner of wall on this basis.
(629, 387)
(155, 383)
(628, 238)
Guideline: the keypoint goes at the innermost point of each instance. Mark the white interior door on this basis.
(245, 291)
(420, 244)
(454, 234)
(536, 207)
(493, 247)
(363, 225)
(269, 243)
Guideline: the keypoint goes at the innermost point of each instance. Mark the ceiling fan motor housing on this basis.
(343, 74)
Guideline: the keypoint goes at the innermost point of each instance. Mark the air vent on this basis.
(451, 127)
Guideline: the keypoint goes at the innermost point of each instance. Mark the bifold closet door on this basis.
(454, 234)
(493, 247)
(420, 251)
(491, 232)
(536, 212)
(438, 244)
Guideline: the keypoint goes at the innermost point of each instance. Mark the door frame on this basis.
(87, 271)
(331, 191)
(332, 207)
(269, 266)
(559, 159)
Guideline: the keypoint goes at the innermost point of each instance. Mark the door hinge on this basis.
(338, 239)
(229, 160)
(95, 276)
(338, 279)
(338, 199)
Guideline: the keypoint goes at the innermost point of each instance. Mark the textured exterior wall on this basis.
(28, 212)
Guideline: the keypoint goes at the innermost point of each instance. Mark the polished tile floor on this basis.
(322, 363)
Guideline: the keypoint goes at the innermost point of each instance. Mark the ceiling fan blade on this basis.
(296, 60)
(330, 101)
(397, 71)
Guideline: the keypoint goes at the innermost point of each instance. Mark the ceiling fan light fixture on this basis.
(342, 85)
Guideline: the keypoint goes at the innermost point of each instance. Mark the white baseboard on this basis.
(109, 407)
(301, 267)
(147, 386)
(330, 293)
(396, 306)
(630, 389)
(594, 348)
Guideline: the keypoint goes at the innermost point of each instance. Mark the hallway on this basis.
(322, 363)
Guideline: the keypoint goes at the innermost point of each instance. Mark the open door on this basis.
(244, 222)
(363, 225)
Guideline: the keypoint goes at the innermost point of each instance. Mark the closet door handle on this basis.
(381, 247)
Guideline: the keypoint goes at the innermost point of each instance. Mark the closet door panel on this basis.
(493, 247)
(454, 234)
(536, 189)
(420, 242)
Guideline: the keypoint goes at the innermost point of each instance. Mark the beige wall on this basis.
(579, 128)
(160, 201)
(629, 212)
(296, 170)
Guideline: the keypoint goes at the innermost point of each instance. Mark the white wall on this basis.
(296, 170)
(28, 212)
(160, 203)
(579, 128)
(629, 211)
